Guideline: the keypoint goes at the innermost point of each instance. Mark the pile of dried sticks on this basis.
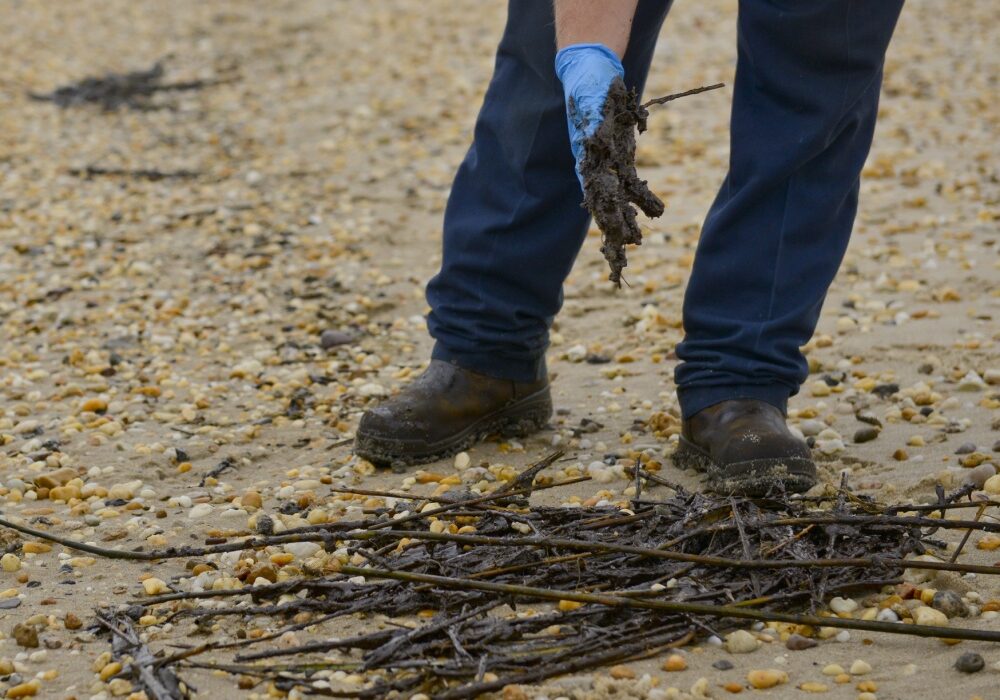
(626, 583)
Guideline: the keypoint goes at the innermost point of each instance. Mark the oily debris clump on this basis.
(612, 188)
(133, 90)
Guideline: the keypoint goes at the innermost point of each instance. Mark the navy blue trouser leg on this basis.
(805, 101)
(514, 225)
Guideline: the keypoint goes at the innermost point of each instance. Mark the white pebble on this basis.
(887, 615)
(843, 606)
(200, 511)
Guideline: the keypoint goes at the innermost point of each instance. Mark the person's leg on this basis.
(805, 101)
(514, 222)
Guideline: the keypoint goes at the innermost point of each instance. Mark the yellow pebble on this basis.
(813, 687)
(109, 670)
(154, 586)
(569, 605)
(10, 562)
(119, 687)
(766, 678)
(621, 672)
(101, 661)
(94, 405)
(24, 690)
(675, 662)
(36, 547)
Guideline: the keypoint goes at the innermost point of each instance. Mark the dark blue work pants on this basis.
(804, 106)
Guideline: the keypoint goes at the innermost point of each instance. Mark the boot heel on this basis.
(529, 417)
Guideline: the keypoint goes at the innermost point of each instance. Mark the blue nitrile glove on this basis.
(586, 72)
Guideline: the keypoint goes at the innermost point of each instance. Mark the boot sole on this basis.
(517, 419)
(753, 478)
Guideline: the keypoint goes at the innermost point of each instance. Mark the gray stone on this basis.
(950, 603)
(970, 662)
(866, 434)
(332, 338)
(979, 475)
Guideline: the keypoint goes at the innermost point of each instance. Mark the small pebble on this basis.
(811, 427)
(331, 338)
(766, 678)
(814, 687)
(843, 606)
(860, 668)
(970, 662)
(741, 642)
(797, 642)
(154, 586)
(10, 562)
(621, 672)
(887, 615)
(971, 382)
(24, 690)
(950, 603)
(674, 663)
(980, 475)
(924, 615)
(992, 485)
(200, 510)
(25, 635)
(723, 665)
(866, 434)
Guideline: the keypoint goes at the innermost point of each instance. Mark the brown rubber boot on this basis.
(447, 409)
(746, 449)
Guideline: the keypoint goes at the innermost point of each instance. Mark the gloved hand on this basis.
(586, 72)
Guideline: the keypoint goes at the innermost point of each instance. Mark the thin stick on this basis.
(678, 95)
(965, 537)
(79, 546)
(705, 560)
(720, 611)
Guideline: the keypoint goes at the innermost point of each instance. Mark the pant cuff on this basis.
(493, 364)
(697, 398)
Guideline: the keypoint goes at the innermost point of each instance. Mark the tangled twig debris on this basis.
(627, 583)
(157, 679)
